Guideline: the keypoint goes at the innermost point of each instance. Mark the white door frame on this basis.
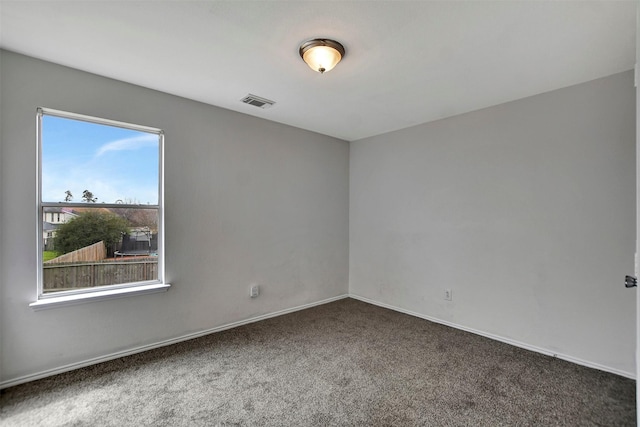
(637, 255)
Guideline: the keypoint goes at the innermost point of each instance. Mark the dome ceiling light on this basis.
(321, 55)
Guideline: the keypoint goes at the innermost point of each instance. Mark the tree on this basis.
(89, 228)
(137, 217)
(87, 196)
(68, 196)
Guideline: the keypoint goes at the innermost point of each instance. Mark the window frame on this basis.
(71, 297)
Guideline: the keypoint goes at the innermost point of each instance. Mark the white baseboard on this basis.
(536, 349)
(140, 349)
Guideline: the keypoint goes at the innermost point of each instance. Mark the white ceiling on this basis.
(406, 62)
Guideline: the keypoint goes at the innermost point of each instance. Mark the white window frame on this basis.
(72, 297)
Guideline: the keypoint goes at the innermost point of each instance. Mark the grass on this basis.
(47, 255)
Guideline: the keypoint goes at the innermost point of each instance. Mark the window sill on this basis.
(55, 302)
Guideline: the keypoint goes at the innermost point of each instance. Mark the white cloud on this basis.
(134, 143)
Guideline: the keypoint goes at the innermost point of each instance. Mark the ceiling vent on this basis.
(256, 101)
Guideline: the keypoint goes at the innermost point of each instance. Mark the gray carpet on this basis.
(341, 364)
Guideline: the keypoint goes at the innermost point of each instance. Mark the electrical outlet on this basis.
(254, 291)
(447, 294)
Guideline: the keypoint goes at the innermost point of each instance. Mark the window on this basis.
(100, 208)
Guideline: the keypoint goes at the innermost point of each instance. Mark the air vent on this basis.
(256, 101)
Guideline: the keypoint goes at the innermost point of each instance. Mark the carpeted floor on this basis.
(345, 363)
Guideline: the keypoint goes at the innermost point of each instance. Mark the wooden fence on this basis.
(95, 252)
(75, 275)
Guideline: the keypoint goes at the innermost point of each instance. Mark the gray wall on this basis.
(525, 210)
(247, 201)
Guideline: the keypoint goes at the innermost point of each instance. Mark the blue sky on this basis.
(113, 163)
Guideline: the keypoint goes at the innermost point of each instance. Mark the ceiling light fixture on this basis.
(321, 54)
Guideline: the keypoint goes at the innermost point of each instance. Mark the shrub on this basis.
(89, 228)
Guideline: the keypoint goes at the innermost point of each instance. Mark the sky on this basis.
(115, 164)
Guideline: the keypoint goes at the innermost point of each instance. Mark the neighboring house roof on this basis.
(75, 210)
(56, 209)
(47, 226)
